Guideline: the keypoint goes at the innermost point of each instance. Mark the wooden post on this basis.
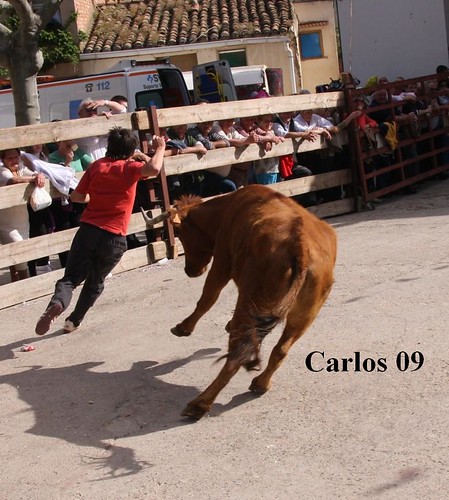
(172, 249)
(357, 164)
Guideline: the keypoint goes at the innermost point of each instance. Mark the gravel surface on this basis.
(96, 414)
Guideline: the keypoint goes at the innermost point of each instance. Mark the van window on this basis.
(149, 98)
(58, 110)
(172, 94)
(175, 90)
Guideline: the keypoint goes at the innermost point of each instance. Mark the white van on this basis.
(161, 85)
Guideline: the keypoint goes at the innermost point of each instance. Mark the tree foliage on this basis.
(55, 41)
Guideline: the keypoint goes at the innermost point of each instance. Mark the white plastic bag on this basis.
(40, 199)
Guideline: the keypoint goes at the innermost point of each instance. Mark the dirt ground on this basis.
(96, 414)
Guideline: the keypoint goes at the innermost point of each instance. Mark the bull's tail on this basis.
(297, 259)
(244, 343)
(285, 274)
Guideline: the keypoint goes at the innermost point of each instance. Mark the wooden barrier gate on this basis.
(422, 148)
(145, 122)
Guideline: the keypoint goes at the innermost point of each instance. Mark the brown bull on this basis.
(281, 258)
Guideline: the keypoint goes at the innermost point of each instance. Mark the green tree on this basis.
(21, 55)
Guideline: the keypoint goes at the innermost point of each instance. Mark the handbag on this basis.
(40, 199)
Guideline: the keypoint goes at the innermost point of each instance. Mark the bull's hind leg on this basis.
(307, 306)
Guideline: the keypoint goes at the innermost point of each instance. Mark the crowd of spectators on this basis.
(58, 162)
(414, 111)
(396, 119)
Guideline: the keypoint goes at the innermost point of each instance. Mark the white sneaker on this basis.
(69, 326)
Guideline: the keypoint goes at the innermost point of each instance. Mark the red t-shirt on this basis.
(111, 185)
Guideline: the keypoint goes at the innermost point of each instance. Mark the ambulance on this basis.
(159, 84)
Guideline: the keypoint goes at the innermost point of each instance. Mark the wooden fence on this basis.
(422, 148)
(144, 122)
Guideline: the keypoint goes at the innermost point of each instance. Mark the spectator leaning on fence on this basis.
(179, 142)
(14, 223)
(109, 185)
(266, 170)
(218, 180)
(284, 126)
(41, 221)
(214, 182)
(95, 146)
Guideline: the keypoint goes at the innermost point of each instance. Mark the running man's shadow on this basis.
(92, 408)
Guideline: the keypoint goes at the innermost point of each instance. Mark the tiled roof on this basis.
(124, 25)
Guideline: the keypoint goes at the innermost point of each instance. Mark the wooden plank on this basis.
(43, 285)
(251, 107)
(230, 156)
(33, 248)
(175, 165)
(51, 244)
(18, 137)
(39, 286)
(29, 289)
(19, 194)
(42, 133)
(313, 182)
(333, 208)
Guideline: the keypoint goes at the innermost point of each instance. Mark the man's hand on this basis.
(68, 157)
(158, 142)
(139, 156)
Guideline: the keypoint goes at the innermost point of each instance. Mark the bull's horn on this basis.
(155, 220)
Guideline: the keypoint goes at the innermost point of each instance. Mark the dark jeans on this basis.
(383, 180)
(40, 224)
(92, 256)
(65, 217)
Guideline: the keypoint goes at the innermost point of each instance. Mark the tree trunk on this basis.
(19, 52)
(24, 83)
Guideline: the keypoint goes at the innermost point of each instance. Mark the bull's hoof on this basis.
(179, 331)
(255, 388)
(228, 327)
(195, 411)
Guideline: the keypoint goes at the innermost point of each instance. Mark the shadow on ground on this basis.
(92, 408)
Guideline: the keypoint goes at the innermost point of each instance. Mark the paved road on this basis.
(95, 415)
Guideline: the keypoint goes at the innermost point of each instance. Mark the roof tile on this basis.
(122, 25)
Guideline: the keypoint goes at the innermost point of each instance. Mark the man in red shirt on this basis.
(109, 187)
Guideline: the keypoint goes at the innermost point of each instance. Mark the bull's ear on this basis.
(175, 219)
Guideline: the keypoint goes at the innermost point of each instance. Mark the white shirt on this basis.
(281, 130)
(316, 121)
(94, 146)
(224, 170)
(14, 218)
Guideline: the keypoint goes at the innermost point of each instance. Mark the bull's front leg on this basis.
(217, 279)
(198, 407)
